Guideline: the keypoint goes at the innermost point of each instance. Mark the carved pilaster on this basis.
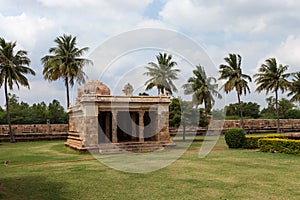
(114, 127)
(141, 126)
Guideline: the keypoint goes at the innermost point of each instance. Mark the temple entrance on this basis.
(150, 123)
(104, 128)
(127, 126)
(127, 130)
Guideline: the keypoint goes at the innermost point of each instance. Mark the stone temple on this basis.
(100, 121)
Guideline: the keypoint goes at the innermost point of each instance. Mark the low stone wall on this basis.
(35, 128)
(34, 132)
(60, 131)
(251, 126)
(265, 125)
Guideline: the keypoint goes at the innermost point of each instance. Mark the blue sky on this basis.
(153, 8)
(256, 30)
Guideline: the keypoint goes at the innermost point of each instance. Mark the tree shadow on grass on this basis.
(31, 187)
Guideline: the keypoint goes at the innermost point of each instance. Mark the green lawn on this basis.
(48, 170)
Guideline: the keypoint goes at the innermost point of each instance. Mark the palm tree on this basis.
(272, 77)
(295, 88)
(65, 62)
(203, 89)
(162, 74)
(232, 72)
(13, 68)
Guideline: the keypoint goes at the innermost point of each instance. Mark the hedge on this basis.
(251, 142)
(235, 138)
(277, 145)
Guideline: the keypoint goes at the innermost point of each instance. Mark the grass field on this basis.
(48, 170)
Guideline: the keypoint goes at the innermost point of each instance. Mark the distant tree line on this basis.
(251, 110)
(38, 113)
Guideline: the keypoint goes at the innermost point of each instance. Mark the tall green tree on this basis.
(286, 109)
(235, 79)
(56, 113)
(189, 116)
(250, 109)
(272, 77)
(295, 88)
(203, 89)
(269, 111)
(38, 113)
(14, 66)
(183, 113)
(65, 61)
(162, 74)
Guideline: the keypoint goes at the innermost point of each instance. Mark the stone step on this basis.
(77, 138)
(132, 146)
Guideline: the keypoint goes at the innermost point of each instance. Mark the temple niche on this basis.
(100, 121)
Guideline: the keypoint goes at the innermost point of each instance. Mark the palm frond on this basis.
(162, 73)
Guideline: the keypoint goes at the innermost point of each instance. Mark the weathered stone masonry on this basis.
(99, 118)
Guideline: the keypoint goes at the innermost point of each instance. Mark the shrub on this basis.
(235, 138)
(276, 135)
(251, 142)
(277, 145)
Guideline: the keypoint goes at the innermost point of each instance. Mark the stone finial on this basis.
(128, 90)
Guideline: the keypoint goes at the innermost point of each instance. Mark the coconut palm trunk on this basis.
(241, 111)
(11, 134)
(67, 91)
(277, 111)
(206, 112)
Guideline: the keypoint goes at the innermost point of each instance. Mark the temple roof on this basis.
(93, 87)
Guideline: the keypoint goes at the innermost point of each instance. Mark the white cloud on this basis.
(69, 3)
(288, 52)
(236, 16)
(26, 30)
(82, 4)
(152, 23)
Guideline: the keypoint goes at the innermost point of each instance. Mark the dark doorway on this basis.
(150, 123)
(124, 130)
(104, 128)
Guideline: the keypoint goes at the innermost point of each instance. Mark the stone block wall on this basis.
(251, 126)
(254, 124)
(35, 128)
(35, 132)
